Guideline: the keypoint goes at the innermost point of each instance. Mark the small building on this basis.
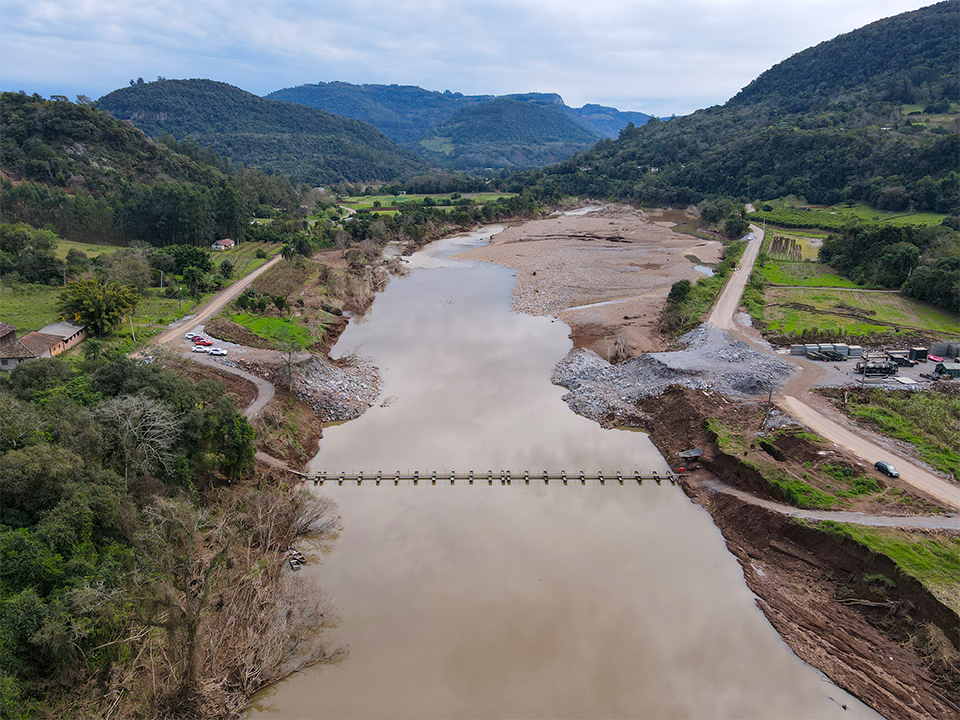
(950, 370)
(224, 244)
(8, 334)
(49, 341)
(918, 353)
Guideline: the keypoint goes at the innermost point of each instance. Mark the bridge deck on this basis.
(470, 477)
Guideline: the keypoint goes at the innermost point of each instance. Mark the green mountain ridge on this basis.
(308, 144)
(506, 132)
(828, 124)
(415, 118)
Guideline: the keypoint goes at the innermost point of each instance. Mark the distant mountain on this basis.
(413, 117)
(869, 116)
(508, 133)
(304, 143)
(404, 113)
(605, 121)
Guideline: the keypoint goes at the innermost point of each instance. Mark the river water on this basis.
(522, 600)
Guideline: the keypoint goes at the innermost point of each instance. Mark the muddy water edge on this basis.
(521, 600)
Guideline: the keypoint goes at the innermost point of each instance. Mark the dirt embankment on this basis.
(893, 647)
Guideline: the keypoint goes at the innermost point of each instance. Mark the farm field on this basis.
(367, 201)
(793, 310)
(836, 216)
(91, 250)
(803, 274)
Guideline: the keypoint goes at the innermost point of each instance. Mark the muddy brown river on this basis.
(534, 601)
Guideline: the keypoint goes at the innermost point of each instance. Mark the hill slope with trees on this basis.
(301, 142)
(78, 171)
(861, 117)
(415, 117)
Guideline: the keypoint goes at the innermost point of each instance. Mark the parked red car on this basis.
(202, 341)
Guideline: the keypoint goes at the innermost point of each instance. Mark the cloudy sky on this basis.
(655, 56)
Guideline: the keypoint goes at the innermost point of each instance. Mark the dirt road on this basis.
(216, 304)
(729, 300)
(919, 522)
(723, 317)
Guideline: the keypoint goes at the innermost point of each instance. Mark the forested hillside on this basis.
(416, 117)
(89, 177)
(300, 142)
(508, 133)
(404, 113)
(869, 116)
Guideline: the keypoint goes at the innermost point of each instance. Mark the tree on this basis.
(99, 305)
(679, 291)
(142, 432)
(194, 277)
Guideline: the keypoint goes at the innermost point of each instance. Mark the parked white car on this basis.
(217, 351)
(199, 348)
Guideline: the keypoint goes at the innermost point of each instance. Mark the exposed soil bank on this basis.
(811, 585)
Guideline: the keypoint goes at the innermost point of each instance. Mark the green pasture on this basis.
(275, 329)
(881, 306)
(802, 274)
(438, 145)
(29, 307)
(360, 202)
(835, 217)
(91, 250)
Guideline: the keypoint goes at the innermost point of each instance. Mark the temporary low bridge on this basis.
(503, 477)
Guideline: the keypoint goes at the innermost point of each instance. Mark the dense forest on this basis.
(304, 143)
(862, 117)
(80, 172)
(509, 133)
(923, 262)
(404, 113)
(124, 525)
(487, 131)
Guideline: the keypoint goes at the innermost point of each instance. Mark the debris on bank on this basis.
(712, 360)
(337, 392)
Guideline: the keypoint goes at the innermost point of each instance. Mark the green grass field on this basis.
(438, 145)
(837, 216)
(275, 329)
(803, 274)
(932, 560)
(89, 249)
(360, 202)
(880, 306)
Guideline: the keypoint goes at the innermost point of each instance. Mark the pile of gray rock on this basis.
(337, 392)
(711, 360)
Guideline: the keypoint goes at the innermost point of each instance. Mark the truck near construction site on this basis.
(877, 366)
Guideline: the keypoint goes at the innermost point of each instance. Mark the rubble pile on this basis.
(337, 392)
(712, 360)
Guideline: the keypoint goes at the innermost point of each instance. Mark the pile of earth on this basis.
(712, 360)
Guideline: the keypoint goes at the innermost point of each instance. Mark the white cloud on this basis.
(655, 56)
